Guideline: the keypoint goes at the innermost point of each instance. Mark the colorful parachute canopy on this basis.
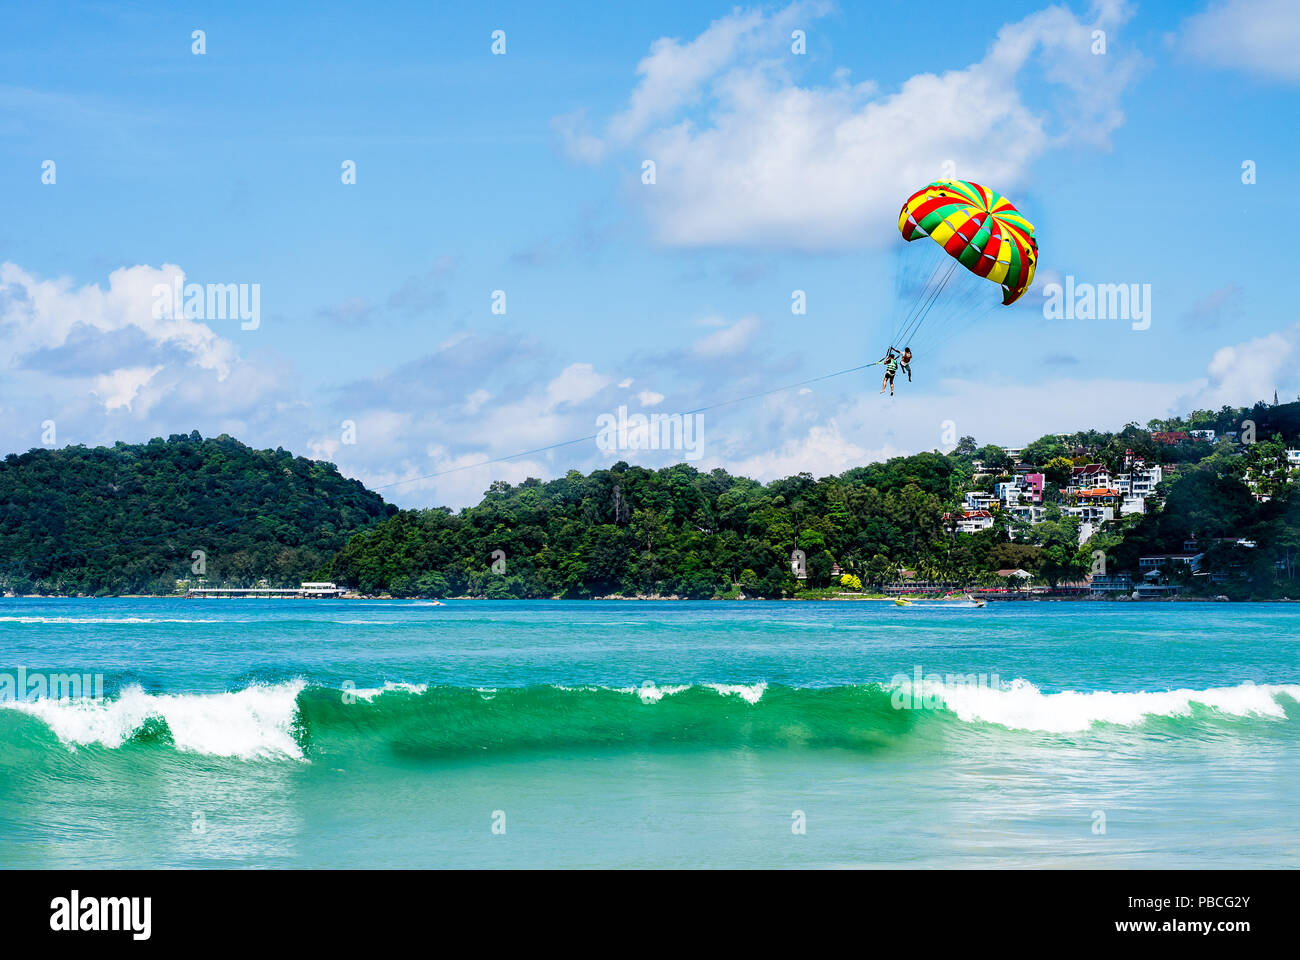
(981, 229)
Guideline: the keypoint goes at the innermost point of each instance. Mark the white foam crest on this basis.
(369, 693)
(1020, 705)
(653, 693)
(256, 722)
(752, 692)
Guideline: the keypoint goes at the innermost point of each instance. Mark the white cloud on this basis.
(824, 432)
(120, 387)
(673, 72)
(822, 450)
(1015, 413)
(771, 162)
(673, 75)
(481, 413)
(323, 448)
(441, 477)
(577, 382)
(97, 361)
(729, 340)
(42, 314)
(1258, 36)
(1242, 374)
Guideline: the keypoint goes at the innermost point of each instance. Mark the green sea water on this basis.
(283, 733)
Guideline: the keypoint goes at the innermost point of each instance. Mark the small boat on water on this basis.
(940, 601)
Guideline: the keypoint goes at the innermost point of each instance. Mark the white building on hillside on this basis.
(1029, 512)
(1133, 505)
(979, 500)
(1090, 512)
(1140, 482)
(971, 521)
(1088, 477)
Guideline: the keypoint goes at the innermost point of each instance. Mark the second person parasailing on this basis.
(979, 229)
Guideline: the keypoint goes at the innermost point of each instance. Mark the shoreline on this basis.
(841, 598)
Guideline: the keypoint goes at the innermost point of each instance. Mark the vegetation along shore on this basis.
(1199, 507)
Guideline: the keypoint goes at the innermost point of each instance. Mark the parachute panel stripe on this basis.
(988, 252)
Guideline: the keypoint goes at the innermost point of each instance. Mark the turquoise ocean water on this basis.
(281, 733)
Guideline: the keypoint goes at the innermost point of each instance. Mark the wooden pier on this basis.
(304, 591)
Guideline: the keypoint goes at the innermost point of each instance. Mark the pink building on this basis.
(1035, 483)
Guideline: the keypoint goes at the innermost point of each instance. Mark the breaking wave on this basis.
(293, 720)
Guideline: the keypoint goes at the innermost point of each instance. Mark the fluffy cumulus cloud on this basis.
(499, 408)
(1244, 373)
(1257, 36)
(38, 315)
(483, 407)
(121, 387)
(103, 363)
(440, 428)
(745, 154)
(730, 340)
(576, 383)
(821, 450)
(838, 425)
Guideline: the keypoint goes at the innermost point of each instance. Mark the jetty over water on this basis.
(304, 591)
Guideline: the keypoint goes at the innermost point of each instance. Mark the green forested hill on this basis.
(676, 531)
(630, 530)
(128, 518)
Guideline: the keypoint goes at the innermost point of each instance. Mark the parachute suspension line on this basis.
(970, 309)
(940, 328)
(965, 300)
(929, 306)
(914, 325)
(959, 302)
(932, 284)
(904, 330)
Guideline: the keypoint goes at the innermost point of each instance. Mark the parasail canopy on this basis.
(980, 229)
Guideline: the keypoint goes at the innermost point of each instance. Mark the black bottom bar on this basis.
(367, 908)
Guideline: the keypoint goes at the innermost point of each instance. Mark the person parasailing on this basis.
(891, 367)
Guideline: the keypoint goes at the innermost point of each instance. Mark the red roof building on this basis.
(1087, 472)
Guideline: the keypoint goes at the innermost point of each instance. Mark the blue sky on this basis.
(522, 172)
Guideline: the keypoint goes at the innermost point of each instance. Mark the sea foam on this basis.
(369, 693)
(1020, 705)
(106, 620)
(253, 723)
